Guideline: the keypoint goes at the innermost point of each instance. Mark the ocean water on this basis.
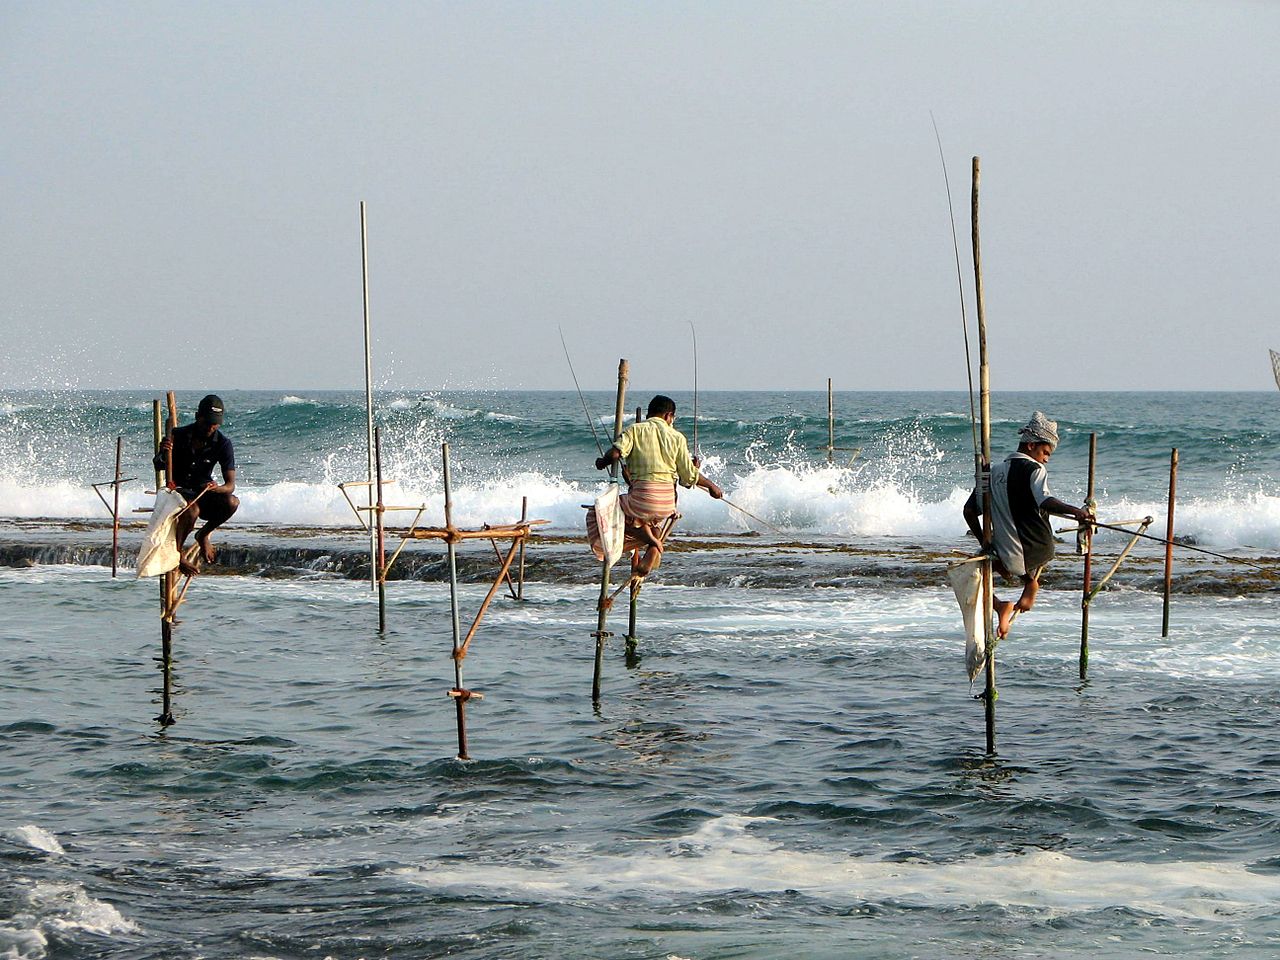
(791, 764)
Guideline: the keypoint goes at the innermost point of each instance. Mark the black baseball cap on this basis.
(210, 409)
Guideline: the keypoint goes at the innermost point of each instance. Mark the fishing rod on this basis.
(696, 450)
(964, 316)
(590, 422)
(758, 520)
(1175, 543)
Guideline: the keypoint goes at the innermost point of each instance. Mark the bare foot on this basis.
(206, 548)
(187, 568)
(1004, 608)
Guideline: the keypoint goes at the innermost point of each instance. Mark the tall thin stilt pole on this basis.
(452, 548)
(158, 431)
(831, 424)
(1168, 542)
(368, 392)
(524, 515)
(115, 510)
(634, 597)
(602, 616)
(1090, 504)
(984, 473)
(168, 586)
(381, 555)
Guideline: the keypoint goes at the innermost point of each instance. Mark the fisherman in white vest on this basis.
(1020, 509)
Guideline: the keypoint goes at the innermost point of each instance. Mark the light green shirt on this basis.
(655, 450)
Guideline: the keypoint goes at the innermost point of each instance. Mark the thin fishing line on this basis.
(964, 316)
(730, 503)
(590, 422)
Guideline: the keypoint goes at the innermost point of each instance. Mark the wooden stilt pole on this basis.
(1086, 534)
(602, 616)
(1168, 545)
(984, 474)
(634, 597)
(115, 510)
(831, 424)
(368, 393)
(168, 587)
(381, 555)
(458, 692)
(524, 515)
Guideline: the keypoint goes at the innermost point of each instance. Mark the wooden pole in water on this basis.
(524, 515)
(831, 424)
(452, 548)
(1168, 542)
(984, 473)
(368, 393)
(634, 597)
(602, 616)
(381, 568)
(115, 510)
(168, 585)
(1090, 505)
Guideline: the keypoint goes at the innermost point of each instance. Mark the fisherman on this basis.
(1021, 505)
(196, 448)
(657, 457)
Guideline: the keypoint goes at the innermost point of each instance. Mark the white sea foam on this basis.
(797, 499)
(38, 838)
(289, 400)
(63, 909)
(727, 855)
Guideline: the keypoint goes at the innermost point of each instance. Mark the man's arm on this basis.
(709, 485)
(228, 484)
(973, 516)
(1064, 509)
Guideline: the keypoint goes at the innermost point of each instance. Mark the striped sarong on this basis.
(647, 504)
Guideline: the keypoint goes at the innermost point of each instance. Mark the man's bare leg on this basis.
(181, 529)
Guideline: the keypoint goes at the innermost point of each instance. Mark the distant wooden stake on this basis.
(524, 515)
(1168, 542)
(602, 615)
(831, 424)
(1087, 535)
(115, 510)
(380, 569)
(984, 474)
(368, 393)
(451, 545)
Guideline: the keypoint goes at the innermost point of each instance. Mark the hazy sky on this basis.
(182, 185)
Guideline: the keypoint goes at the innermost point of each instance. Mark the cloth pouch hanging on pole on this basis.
(966, 581)
(607, 525)
(159, 554)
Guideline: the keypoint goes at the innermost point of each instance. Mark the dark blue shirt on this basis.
(193, 469)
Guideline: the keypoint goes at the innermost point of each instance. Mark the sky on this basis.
(183, 182)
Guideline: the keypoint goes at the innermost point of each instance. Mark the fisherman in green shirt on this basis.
(657, 458)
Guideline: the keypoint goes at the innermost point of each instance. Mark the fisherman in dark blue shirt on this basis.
(197, 447)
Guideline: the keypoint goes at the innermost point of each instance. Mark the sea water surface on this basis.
(790, 764)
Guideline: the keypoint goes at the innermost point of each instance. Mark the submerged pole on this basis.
(1168, 545)
(381, 568)
(368, 392)
(459, 695)
(1090, 504)
(831, 424)
(602, 614)
(115, 510)
(984, 474)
